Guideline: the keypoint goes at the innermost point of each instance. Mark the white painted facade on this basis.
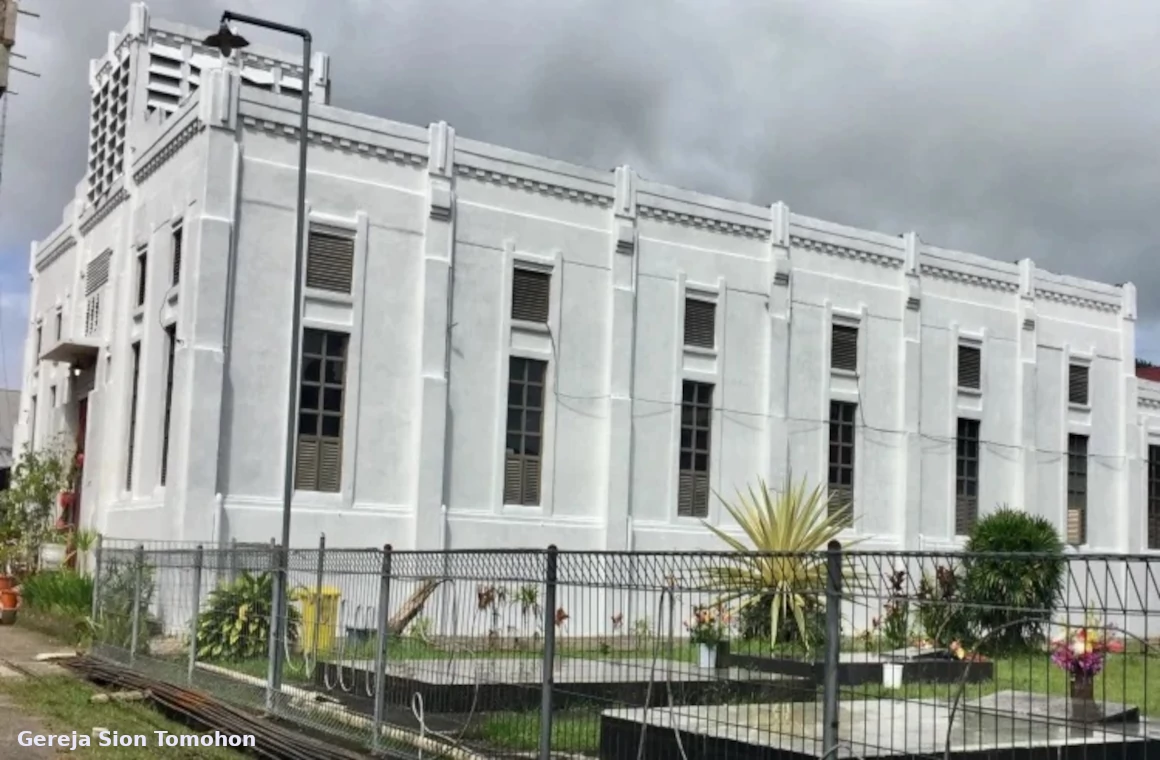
(439, 223)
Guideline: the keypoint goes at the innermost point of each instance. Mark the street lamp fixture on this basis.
(227, 40)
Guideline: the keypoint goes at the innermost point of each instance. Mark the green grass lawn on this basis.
(63, 704)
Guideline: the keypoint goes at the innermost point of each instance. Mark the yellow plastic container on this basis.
(324, 610)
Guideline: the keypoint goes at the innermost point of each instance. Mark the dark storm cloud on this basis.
(1005, 129)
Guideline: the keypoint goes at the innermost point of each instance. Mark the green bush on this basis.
(236, 624)
(1010, 600)
(941, 613)
(61, 592)
(117, 588)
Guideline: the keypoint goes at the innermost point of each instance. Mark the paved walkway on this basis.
(18, 647)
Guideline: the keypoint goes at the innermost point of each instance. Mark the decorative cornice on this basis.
(44, 259)
(338, 143)
(1148, 403)
(104, 210)
(969, 278)
(1073, 300)
(169, 150)
(701, 222)
(532, 186)
(845, 252)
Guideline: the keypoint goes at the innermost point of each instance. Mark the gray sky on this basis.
(1008, 129)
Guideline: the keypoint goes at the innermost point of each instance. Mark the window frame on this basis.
(1077, 486)
(316, 384)
(177, 243)
(167, 417)
(837, 348)
(520, 310)
(974, 383)
(135, 389)
(843, 437)
(523, 471)
(703, 336)
(967, 452)
(142, 268)
(1079, 374)
(694, 460)
(1152, 510)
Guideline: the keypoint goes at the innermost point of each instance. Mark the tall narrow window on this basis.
(38, 343)
(1078, 391)
(32, 422)
(135, 382)
(330, 261)
(967, 477)
(696, 430)
(531, 293)
(970, 367)
(59, 324)
(320, 410)
(1077, 467)
(844, 348)
(178, 235)
(841, 475)
(700, 323)
(171, 341)
(1154, 497)
(142, 276)
(523, 450)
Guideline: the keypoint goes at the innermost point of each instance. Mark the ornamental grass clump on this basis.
(784, 568)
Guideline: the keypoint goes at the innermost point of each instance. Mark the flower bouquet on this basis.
(708, 628)
(1081, 653)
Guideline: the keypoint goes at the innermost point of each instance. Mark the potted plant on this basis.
(708, 629)
(1080, 653)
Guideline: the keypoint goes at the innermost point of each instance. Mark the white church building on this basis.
(506, 350)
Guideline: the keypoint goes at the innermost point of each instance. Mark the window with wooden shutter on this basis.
(523, 450)
(135, 382)
(700, 323)
(1077, 382)
(178, 241)
(970, 367)
(330, 261)
(841, 469)
(1154, 497)
(844, 348)
(966, 477)
(693, 464)
(531, 295)
(321, 397)
(171, 340)
(1077, 467)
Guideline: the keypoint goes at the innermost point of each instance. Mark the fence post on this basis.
(198, 561)
(549, 663)
(138, 570)
(98, 554)
(833, 646)
(381, 647)
(233, 560)
(272, 644)
(317, 602)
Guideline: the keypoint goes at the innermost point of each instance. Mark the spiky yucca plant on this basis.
(787, 529)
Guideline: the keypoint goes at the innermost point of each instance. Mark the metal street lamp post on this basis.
(226, 40)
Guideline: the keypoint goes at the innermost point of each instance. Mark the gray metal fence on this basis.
(545, 653)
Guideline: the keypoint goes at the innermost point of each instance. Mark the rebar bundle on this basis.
(273, 742)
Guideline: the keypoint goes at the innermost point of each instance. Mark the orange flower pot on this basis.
(9, 599)
(7, 582)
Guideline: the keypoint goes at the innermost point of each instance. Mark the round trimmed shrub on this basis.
(1009, 600)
